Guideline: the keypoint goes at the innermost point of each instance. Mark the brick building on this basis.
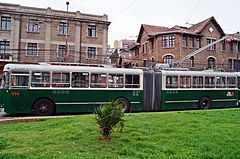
(34, 35)
(157, 44)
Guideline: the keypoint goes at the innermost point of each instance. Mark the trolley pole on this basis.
(66, 48)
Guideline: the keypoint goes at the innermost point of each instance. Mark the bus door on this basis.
(152, 91)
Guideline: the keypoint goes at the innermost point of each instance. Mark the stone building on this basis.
(157, 44)
(32, 35)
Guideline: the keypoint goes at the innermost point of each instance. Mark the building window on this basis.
(231, 46)
(165, 41)
(63, 29)
(191, 42)
(238, 46)
(211, 62)
(212, 47)
(33, 25)
(152, 44)
(137, 51)
(168, 41)
(198, 43)
(184, 41)
(223, 45)
(92, 31)
(168, 59)
(144, 47)
(6, 23)
(61, 51)
(233, 65)
(4, 47)
(91, 53)
(32, 49)
(171, 41)
(144, 63)
(191, 61)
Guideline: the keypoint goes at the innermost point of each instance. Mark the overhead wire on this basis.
(194, 10)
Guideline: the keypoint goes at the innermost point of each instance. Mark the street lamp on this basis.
(66, 49)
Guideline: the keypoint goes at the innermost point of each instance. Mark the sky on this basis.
(126, 16)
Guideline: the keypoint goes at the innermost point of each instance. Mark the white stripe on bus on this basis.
(81, 103)
(89, 103)
(189, 101)
(222, 100)
(181, 101)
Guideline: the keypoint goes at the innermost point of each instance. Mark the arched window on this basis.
(168, 59)
(144, 63)
(152, 59)
(211, 62)
(191, 61)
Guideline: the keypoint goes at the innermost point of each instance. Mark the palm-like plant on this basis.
(109, 116)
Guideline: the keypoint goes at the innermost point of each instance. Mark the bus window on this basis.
(185, 81)
(19, 79)
(231, 82)
(209, 82)
(220, 82)
(238, 82)
(115, 81)
(98, 80)
(80, 79)
(132, 81)
(5, 81)
(40, 79)
(60, 79)
(197, 82)
(171, 81)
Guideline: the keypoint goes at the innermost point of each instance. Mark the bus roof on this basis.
(61, 68)
(199, 73)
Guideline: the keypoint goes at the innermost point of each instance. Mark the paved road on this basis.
(4, 118)
(2, 115)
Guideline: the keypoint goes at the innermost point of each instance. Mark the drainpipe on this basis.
(80, 49)
(20, 37)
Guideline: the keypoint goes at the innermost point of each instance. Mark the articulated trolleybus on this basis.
(47, 89)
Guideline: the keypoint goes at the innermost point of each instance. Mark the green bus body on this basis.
(149, 90)
(186, 99)
(49, 89)
(73, 101)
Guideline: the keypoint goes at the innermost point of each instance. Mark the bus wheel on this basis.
(205, 103)
(125, 104)
(43, 107)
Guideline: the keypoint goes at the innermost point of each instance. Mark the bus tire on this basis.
(205, 103)
(43, 107)
(125, 104)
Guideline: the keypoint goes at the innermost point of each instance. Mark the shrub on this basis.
(108, 117)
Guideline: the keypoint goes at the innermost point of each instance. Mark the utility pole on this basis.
(66, 48)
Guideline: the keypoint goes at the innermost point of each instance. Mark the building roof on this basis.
(195, 30)
(234, 37)
(150, 30)
(198, 28)
(176, 29)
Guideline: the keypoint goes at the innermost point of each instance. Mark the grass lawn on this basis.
(185, 134)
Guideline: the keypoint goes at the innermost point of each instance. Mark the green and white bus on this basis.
(45, 89)
(175, 90)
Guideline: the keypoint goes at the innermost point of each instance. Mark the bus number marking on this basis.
(14, 94)
(230, 94)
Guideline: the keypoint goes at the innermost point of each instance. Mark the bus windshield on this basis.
(5, 81)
